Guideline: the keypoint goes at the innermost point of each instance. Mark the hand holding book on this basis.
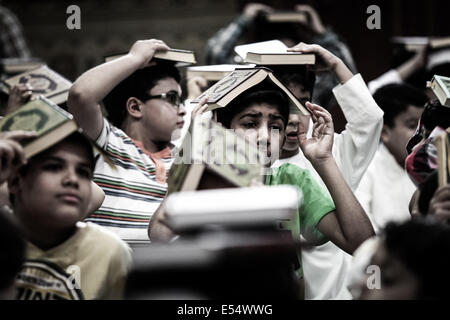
(325, 60)
(18, 96)
(200, 108)
(144, 50)
(12, 155)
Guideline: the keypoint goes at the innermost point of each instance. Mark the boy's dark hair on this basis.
(256, 95)
(296, 74)
(423, 246)
(395, 98)
(137, 85)
(12, 250)
(435, 115)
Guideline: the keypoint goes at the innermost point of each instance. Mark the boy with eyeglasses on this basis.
(145, 113)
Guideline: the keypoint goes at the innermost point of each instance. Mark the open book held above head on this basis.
(240, 80)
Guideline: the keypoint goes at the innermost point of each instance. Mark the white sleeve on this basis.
(392, 76)
(355, 147)
(364, 194)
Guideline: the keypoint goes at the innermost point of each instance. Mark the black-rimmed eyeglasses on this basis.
(172, 97)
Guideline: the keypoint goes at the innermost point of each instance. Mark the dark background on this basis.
(112, 26)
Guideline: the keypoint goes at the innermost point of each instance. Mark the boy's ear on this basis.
(385, 134)
(134, 107)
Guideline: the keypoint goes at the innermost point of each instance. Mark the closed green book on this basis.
(50, 122)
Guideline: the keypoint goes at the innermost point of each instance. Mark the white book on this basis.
(272, 52)
(271, 46)
(251, 206)
(441, 88)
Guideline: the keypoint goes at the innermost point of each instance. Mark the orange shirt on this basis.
(160, 169)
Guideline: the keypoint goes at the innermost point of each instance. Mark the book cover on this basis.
(251, 206)
(280, 58)
(271, 46)
(182, 57)
(213, 72)
(13, 66)
(226, 85)
(48, 120)
(44, 81)
(417, 43)
(287, 16)
(209, 146)
(240, 80)
(272, 52)
(440, 86)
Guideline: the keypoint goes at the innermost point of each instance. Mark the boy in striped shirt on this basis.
(145, 112)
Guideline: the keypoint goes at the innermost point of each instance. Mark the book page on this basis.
(272, 46)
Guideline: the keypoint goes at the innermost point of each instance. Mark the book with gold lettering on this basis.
(209, 148)
(240, 80)
(50, 122)
(213, 72)
(45, 82)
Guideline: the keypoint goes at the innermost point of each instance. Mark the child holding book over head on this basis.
(353, 150)
(145, 112)
(65, 258)
(260, 114)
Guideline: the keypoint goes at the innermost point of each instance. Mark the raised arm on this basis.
(355, 147)
(93, 85)
(325, 60)
(348, 226)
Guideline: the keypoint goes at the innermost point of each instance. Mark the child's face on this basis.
(303, 95)
(396, 138)
(263, 125)
(163, 118)
(56, 187)
(291, 143)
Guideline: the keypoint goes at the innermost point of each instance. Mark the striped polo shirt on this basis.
(134, 189)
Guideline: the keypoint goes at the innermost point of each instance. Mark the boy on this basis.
(65, 258)
(326, 266)
(260, 114)
(386, 189)
(145, 109)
